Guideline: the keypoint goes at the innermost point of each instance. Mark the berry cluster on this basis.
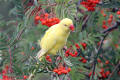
(46, 20)
(103, 74)
(84, 45)
(68, 52)
(48, 58)
(103, 13)
(83, 60)
(109, 22)
(62, 70)
(6, 71)
(106, 62)
(90, 4)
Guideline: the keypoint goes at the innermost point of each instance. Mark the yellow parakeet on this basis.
(55, 38)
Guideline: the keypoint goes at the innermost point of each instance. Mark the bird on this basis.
(55, 38)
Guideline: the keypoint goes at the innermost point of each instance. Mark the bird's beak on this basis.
(72, 28)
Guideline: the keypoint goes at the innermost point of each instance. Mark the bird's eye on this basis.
(65, 25)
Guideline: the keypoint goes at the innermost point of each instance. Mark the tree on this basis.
(92, 51)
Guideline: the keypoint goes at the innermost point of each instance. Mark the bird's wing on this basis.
(52, 28)
(47, 43)
(49, 39)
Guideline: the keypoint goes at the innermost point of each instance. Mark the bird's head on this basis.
(67, 24)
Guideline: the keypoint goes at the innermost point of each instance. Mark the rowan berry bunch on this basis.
(90, 4)
(108, 22)
(103, 74)
(46, 20)
(48, 58)
(62, 70)
(75, 53)
(7, 71)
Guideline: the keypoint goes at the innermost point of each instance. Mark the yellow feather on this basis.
(55, 38)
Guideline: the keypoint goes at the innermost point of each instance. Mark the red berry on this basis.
(111, 16)
(25, 77)
(99, 60)
(77, 46)
(43, 22)
(4, 71)
(84, 60)
(47, 57)
(71, 53)
(107, 73)
(32, 48)
(118, 12)
(104, 75)
(98, 43)
(59, 72)
(102, 70)
(104, 22)
(119, 17)
(36, 22)
(64, 71)
(6, 67)
(49, 60)
(76, 53)
(116, 45)
(84, 45)
(67, 52)
(41, 19)
(69, 69)
(55, 70)
(104, 15)
(46, 14)
(90, 74)
(37, 18)
(107, 62)
(66, 55)
(109, 20)
(5, 77)
(104, 27)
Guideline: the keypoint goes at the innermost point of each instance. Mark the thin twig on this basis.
(114, 70)
(19, 35)
(10, 53)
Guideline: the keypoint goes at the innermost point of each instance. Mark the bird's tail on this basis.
(40, 54)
